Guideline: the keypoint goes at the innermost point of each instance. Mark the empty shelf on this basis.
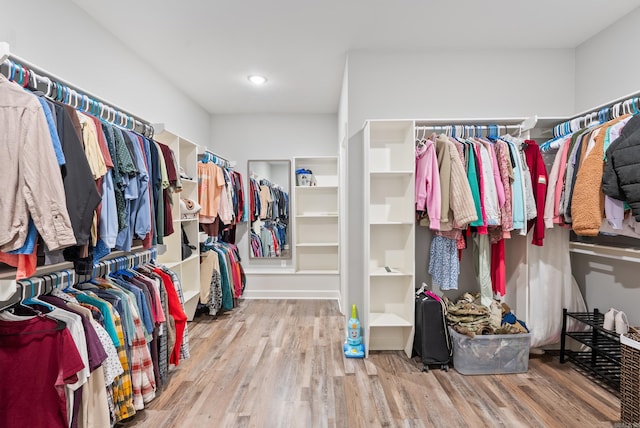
(377, 319)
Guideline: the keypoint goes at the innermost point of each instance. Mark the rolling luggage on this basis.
(431, 341)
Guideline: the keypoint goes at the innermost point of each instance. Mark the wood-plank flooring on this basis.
(280, 364)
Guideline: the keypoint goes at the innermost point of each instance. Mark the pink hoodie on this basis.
(428, 183)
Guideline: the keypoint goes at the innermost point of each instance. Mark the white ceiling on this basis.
(208, 47)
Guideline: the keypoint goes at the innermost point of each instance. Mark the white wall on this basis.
(61, 38)
(459, 84)
(608, 283)
(243, 137)
(607, 64)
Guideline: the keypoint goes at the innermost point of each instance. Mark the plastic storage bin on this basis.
(491, 354)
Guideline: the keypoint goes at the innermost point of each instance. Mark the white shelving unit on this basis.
(317, 224)
(188, 270)
(389, 238)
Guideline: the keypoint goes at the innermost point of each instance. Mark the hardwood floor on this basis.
(280, 364)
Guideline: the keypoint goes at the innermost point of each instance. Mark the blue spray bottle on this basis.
(353, 346)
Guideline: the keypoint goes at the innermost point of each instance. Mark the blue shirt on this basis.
(519, 215)
(109, 215)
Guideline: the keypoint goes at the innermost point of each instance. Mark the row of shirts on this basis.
(81, 184)
(220, 194)
(494, 186)
(596, 160)
(222, 278)
(267, 201)
(111, 357)
(270, 240)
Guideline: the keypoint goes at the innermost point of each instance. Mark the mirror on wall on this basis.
(269, 206)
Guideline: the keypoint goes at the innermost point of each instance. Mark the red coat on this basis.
(539, 179)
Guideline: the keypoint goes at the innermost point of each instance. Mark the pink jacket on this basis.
(428, 195)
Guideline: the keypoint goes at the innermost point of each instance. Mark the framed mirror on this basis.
(269, 208)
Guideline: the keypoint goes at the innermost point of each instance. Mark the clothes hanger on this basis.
(60, 325)
(33, 300)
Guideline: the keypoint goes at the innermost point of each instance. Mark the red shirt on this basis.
(34, 368)
(177, 313)
(539, 179)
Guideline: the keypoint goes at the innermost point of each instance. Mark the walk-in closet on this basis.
(360, 214)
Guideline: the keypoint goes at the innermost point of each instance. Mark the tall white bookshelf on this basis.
(389, 238)
(188, 270)
(317, 226)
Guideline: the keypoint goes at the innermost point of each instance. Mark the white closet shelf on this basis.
(318, 244)
(318, 215)
(394, 272)
(317, 272)
(382, 319)
(317, 187)
(185, 220)
(391, 174)
(390, 223)
(193, 257)
(604, 251)
(188, 295)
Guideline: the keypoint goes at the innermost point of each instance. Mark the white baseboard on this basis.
(292, 294)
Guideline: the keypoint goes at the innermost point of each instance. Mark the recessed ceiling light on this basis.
(257, 79)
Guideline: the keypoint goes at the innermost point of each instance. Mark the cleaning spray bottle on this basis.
(353, 346)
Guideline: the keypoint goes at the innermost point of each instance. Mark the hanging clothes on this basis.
(539, 178)
(113, 333)
(23, 119)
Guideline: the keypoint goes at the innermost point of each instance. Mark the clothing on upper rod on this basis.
(591, 161)
(29, 76)
(269, 216)
(93, 186)
(221, 196)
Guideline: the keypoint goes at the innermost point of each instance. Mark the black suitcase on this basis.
(431, 341)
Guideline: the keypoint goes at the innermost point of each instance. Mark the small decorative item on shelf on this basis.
(189, 208)
(184, 175)
(304, 177)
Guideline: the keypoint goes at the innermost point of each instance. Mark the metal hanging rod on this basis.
(629, 104)
(45, 283)
(218, 160)
(469, 130)
(31, 76)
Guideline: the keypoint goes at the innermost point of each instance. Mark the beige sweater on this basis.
(587, 201)
(460, 206)
(443, 151)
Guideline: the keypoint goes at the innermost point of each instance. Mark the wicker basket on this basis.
(630, 378)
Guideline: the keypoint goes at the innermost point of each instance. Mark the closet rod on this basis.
(47, 282)
(482, 127)
(603, 113)
(40, 285)
(469, 129)
(226, 163)
(71, 94)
